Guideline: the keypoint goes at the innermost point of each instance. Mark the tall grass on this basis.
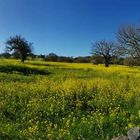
(67, 102)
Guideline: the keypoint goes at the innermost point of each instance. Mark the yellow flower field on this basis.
(67, 101)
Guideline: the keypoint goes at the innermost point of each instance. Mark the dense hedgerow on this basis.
(69, 101)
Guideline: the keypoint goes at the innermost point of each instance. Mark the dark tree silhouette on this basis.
(105, 49)
(52, 57)
(19, 45)
(129, 38)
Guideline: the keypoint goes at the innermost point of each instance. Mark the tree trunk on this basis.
(106, 65)
(22, 57)
(106, 62)
(22, 60)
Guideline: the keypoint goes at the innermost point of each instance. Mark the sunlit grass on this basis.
(75, 101)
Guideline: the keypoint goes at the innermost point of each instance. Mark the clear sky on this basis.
(65, 27)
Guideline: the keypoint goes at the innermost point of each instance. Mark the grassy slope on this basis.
(49, 100)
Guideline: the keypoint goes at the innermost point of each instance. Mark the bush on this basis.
(118, 61)
(86, 59)
(131, 62)
(97, 60)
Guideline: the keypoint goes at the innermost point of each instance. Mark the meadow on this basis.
(67, 101)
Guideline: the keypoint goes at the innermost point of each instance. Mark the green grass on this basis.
(62, 101)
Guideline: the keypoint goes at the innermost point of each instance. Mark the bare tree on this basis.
(20, 46)
(105, 49)
(129, 38)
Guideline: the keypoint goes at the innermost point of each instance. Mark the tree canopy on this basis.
(19, 45)
(129, 39)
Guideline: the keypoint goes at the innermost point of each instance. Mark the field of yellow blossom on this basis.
(67, 101)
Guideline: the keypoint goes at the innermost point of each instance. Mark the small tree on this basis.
(19, 45)
(105, 49)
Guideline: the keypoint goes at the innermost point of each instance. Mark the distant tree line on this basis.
(125, 51)
(81, 59)
(52, 57)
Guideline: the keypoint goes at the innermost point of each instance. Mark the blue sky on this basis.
(65, 27)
